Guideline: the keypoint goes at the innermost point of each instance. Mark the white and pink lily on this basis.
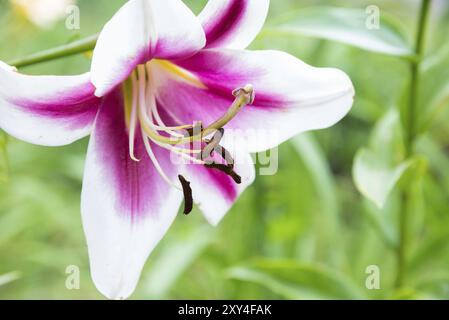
(157, 69)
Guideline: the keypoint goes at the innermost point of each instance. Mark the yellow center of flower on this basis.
(180, 73)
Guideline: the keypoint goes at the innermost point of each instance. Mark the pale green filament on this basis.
(141, 108)
(244, 96)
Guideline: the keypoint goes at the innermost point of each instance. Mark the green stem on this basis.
(414, 85)
(403, 231)
(76, 47)
(411, 133)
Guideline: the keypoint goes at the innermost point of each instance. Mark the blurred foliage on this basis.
(303, 233)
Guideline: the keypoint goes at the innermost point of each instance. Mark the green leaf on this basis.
(4, 165)
(386, 138)
(378, 168)
(375, 179)
(408, 294)
(381, 222)
(434, 88)
(309, 150)
(438, 160)
(348, 26)
(427, 253)
(314, 158)
(175, 260)
(294, 280)
(8, 278)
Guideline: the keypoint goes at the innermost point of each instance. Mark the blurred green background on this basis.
(306, 232)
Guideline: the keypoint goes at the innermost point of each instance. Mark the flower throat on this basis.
(192, 142)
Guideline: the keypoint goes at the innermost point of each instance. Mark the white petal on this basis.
(291, 96)
(215, 192)
(46, 110)
(233, 23)
(140, 31)
(126, 206)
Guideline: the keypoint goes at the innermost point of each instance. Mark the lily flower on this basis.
(158, 71)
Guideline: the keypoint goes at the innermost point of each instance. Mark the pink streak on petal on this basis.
(138, 186)
(191, 104)
(221, 181)
(76, 108)
(125, 70)
(217, 31)
(169, 49)
(221, 74)
(215, 179)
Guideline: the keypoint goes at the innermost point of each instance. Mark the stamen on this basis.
(195, 130)
(243, 97)
(212, 144)
(143, 108)
(152, 109)
(184, 153)
(148, 119)
(165, 128)
(149, 149)
(188, 198)
(157, 164)
(133, 118)
(225, 155)
(225, 169)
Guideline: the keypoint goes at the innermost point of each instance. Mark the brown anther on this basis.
(226, 155)
(225, 169)
(196, 129)
(211, 145)
(188, 198)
